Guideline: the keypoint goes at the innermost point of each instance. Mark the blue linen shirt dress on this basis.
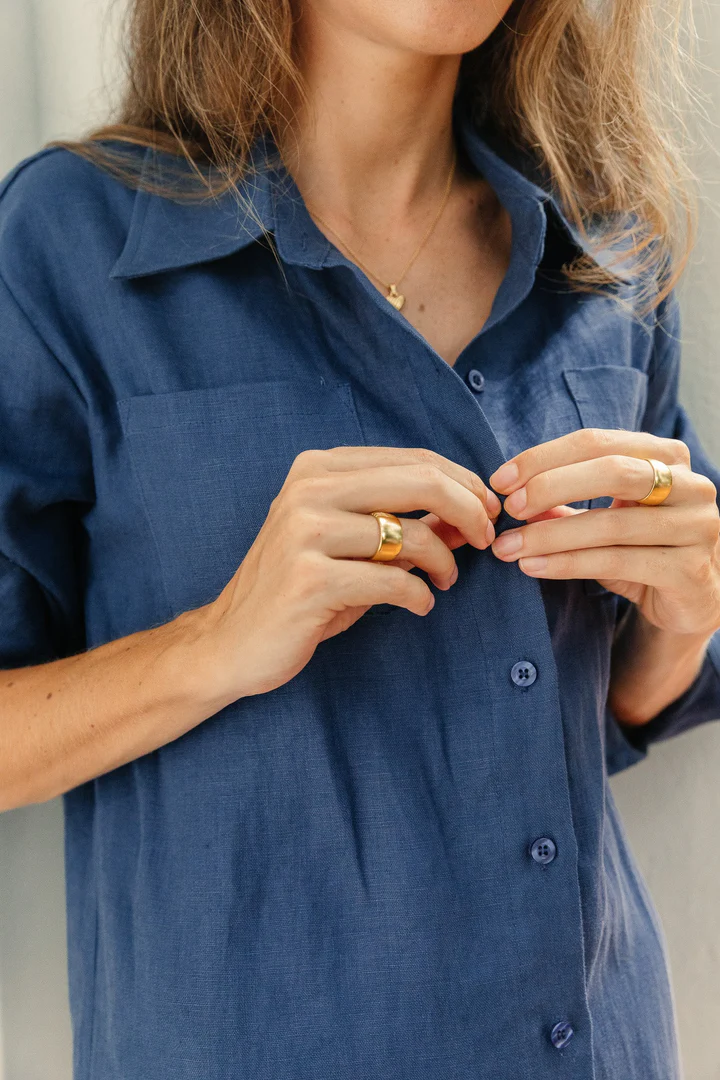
(406, 862)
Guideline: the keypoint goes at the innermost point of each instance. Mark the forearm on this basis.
(70, 720)
(651, 668)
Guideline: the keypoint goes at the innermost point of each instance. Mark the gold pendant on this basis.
(396, 299)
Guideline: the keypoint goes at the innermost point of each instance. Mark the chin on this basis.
(430, 27)
(447, 27)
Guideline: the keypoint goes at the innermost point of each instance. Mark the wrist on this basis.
(646, 634)
(202, 664)
(652, 667)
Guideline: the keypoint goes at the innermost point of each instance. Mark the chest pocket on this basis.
(607, 396)
(209, 462)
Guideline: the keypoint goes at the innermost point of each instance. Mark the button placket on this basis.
(462, 431)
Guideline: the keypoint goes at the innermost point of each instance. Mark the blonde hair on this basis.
(592, 91)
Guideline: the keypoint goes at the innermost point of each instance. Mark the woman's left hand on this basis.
(665, 559)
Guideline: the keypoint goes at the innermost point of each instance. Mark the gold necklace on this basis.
(393, 296)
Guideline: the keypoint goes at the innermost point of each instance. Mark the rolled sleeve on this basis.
(665, 416)
(45, 484)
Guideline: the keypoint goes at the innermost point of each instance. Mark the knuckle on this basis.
(679, 451)
(430, 476)
(698, 563)
(424, 456)
(624, 470)
(711, 524)
(291, 492)
(277, 502)
(422, 538)
(478, 487)
(398, 584)
(303, 490)
(537, 487)
(706, 487)
(596, 439)
(309, 461)
(707, 570)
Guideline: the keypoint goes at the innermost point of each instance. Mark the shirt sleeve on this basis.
(45, 485)
(665, 416)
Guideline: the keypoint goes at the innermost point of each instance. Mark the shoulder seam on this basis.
(20, 168)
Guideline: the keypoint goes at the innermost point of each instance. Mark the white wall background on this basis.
(54, 57)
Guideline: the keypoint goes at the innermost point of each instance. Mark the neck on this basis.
(375, 130)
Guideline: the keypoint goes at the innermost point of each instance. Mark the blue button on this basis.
(561, 1034)
(476, 379)
(543, 850)
(523, 673)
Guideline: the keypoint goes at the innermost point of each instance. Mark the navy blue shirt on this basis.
(406, 862)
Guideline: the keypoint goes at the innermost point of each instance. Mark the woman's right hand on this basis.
(308, 574)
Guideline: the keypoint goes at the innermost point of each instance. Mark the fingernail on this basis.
(505, 476)
(454, 575)
(431, 605)
(509, 542)
(490, 532)
(516, 503)
(534, 563)
(492, 503)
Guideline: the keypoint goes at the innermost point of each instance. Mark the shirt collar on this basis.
(166, 234)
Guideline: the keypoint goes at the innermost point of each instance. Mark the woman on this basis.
(330, 814)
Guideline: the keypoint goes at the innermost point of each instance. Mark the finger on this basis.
(616, 475)
(636, 525)
(349, 458)
(358, 584)
(447, 533)
(556, 512)
(399, 489)
(582, 445)
(355, 536)
(662, 567)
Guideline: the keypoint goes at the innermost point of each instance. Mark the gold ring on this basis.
(661, 485)
(391, 536)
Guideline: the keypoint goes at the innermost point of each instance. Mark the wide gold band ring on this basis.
(391, 536)
(661, 485)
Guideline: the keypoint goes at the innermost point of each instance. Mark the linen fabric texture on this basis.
(335, 879)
